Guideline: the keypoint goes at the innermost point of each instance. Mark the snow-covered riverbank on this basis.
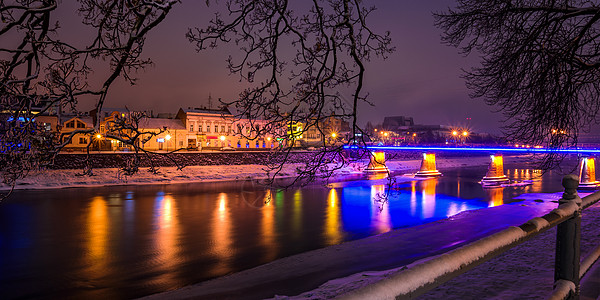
(111, 176)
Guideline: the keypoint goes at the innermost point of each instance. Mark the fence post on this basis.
(567, 238)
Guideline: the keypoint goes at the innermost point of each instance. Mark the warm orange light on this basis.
(268, 138)
(333, 135)
(168, 137)
(414, 134)
(454, 132)
(222, 138)
(385, 134)
(465, 133)
(517, 145)
(98, 136)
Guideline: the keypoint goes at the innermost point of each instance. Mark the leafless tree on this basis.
(39, 71)
(540, 63)
(308, 59)
(319, 78)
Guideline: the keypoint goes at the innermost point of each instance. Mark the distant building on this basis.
(217, 128)
(399, 130)
(79, 141)
(397, 123)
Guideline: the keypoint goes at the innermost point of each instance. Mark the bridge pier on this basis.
(377, 163)
(428, 167)
(495, 174)
(587, 173)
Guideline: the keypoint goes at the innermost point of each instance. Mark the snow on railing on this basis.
(425, 276)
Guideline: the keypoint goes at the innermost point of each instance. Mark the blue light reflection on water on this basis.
(371, 209)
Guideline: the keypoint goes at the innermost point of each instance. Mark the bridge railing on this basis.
(419, 279)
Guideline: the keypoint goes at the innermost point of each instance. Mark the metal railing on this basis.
(419, 279)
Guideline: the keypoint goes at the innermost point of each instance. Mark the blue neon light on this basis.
(478, 149)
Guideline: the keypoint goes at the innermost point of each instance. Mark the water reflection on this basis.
(428, 203)
(166, 238)
(221, 234)
(333, 234)
(380, 214)
(97, 237)
(495, 196)
(268, 227)
(297, 215)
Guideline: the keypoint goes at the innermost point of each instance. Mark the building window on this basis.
(191, 127)
(180, 143)
(216, 128)
(239, 145)
(80, 124)
(222, 128)
(70, 124)
(82, 140)
(200, 127)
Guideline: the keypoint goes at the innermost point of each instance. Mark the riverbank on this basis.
(67, 178)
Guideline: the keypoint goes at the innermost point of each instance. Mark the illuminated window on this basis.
(82, 140)
(191, 127)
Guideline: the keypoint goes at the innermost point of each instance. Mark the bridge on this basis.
(495, 174)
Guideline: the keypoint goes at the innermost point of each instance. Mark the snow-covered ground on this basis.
(111, 176)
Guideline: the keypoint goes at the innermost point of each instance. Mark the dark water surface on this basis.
(131, 241)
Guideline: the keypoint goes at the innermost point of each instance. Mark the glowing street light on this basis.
(465, 133)
(222, 138)
(333, 135)
(454, 133)
(168, 137)
(98, 136)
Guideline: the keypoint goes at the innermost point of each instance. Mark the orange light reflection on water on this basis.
(428, 190)
(333, 235)
(495, 196)
(221, 235)
(166, 239)
(268, 227)
(97, 237)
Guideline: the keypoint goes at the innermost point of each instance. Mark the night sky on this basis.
(421, 79)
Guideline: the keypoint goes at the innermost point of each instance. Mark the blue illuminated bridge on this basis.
(478, 149)
(495, 175)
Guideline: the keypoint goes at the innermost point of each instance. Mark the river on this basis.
(130, 241)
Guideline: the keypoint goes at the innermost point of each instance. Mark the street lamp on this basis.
(168, 137)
